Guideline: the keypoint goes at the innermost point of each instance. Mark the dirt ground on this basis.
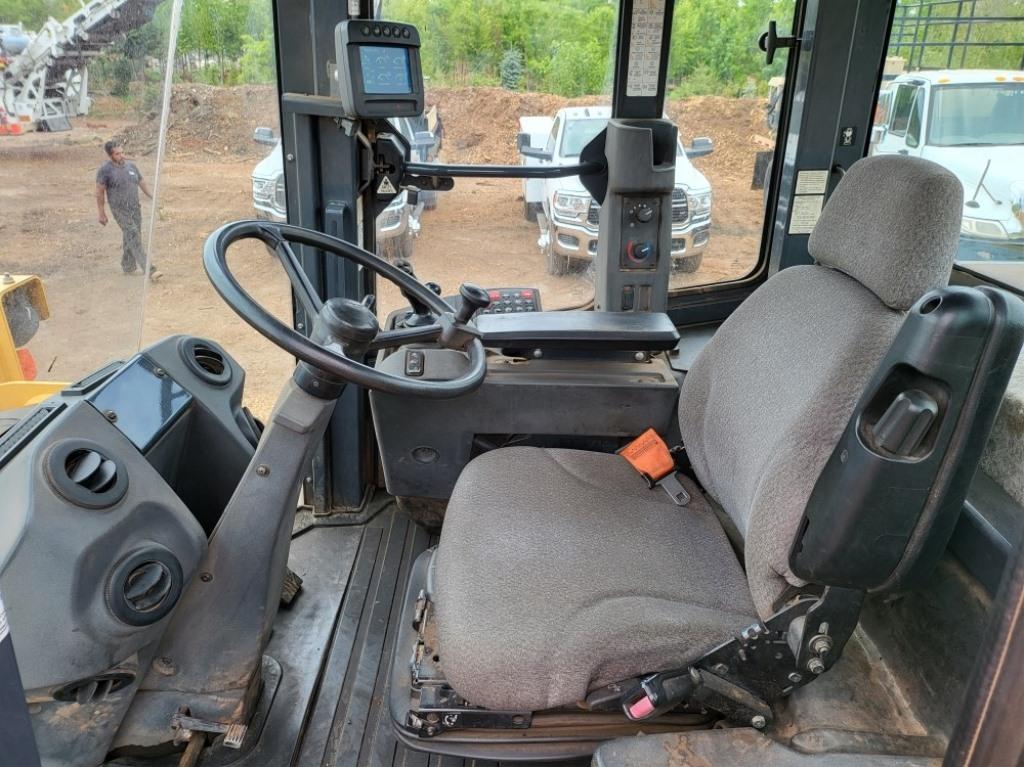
(477, 233)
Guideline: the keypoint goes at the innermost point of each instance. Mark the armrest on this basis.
(583, 330)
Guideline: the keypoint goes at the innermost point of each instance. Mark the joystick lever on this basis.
(420, 314)
(474, 299)
(456, 331)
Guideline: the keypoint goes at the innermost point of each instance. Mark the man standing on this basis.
(118, 182)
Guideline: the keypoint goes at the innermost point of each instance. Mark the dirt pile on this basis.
(208, 120)
(481, 123)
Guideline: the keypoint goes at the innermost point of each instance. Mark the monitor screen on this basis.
(385, 69)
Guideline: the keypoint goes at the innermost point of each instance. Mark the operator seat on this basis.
(559, 571)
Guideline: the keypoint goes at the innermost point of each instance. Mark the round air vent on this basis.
(95, 689)
(85, 474)
(206, 360)
(144, 586)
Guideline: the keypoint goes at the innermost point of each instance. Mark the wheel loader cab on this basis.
(672, 519)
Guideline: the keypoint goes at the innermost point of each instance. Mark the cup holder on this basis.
(207, 360)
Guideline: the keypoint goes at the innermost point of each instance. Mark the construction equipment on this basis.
(24, 307)
(44, 75)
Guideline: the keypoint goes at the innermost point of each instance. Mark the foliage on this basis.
(511, 69)
(33, 13)
(912, 21)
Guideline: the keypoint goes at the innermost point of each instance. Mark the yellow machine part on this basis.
(14, 390)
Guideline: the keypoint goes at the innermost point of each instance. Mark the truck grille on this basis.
(680, 207)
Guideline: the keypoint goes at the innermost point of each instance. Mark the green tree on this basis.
(511, 69)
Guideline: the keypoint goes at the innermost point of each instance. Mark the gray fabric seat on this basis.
(559, 571)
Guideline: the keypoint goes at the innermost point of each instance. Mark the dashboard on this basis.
(111, 490)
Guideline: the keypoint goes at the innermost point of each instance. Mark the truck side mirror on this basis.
(523, 145)
(423, 139)
(700, 147)
(878, 133)
(264, 136)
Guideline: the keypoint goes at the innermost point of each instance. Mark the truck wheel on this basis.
(429, 200)
(689, 264)
(557, 264)
(530, 210)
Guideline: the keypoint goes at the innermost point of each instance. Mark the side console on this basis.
(110, 490)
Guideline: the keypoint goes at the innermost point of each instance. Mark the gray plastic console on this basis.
(584, 331)
(424, 446)
(633, 252)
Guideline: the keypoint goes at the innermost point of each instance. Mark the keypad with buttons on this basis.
(513, 301)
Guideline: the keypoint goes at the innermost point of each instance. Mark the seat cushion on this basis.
(559, 571)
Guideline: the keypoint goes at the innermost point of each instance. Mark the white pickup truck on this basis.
(567, 214)
(972, 122)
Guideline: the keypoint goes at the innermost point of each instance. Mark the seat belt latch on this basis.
(653, 460)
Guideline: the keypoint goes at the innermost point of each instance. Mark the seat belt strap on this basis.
(653, 460)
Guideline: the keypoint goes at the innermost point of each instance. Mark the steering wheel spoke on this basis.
(345, 319)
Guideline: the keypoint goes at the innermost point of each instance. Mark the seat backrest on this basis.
(769, 397)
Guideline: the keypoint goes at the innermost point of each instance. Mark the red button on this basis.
(495, 295)
(641, 709)
(527, 294)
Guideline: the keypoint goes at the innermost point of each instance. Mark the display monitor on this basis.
(379, 72)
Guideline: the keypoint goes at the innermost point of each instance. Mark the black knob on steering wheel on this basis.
(345, 330)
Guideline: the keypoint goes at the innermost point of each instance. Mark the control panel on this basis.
(641, 222)
(512, 300)
(379, 73)
(506, 301)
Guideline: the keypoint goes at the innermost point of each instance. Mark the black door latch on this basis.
(769, 42)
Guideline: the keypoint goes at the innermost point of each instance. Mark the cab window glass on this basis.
(723, 98)
(901, 108)
(914, 124)
(552, 137)
(964, 63)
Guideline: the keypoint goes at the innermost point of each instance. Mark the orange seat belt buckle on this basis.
(653, 460)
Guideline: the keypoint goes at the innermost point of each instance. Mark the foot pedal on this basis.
(290, 590)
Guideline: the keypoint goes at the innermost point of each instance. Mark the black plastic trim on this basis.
(623, 331)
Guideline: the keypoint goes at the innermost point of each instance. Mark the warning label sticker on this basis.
(806, 212)
(811, 182)
(645, 47)
(386, 187)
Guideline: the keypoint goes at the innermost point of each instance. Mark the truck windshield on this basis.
(579, 133)
(977, 115)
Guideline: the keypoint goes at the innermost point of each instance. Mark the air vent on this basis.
(86, 474)
(147, 586)
(144, 586)
(94, 690)
(90, 470)
(206, 360)
(209, 360)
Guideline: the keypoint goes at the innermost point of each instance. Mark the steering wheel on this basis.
(346, 330)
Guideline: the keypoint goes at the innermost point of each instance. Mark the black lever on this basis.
(769, 42)
(420, 314)
(474, 298)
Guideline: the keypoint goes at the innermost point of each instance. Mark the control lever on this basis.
(456, 331)
(474, 298)
(420, 314)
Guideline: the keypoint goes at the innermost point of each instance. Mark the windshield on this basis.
(579, 133)
(977, 115)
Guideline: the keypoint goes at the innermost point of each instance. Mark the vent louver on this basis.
(90, 470)
(94, 690)
(86, 473)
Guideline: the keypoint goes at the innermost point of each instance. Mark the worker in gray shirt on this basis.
(118, 182)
